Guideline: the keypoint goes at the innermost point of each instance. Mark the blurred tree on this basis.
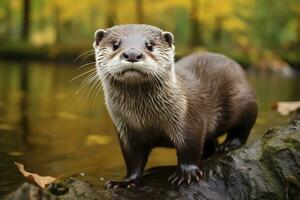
(111, 13)
(196, 36)
(295, 7)
(270, 24)
(57, 24)
(217, 32)
(298, 30)
(247, 27)
(139, 11)
(26, 20)
(5, 29)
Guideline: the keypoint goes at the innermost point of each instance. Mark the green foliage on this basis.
(271, 24)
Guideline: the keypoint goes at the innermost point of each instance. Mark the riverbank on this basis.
(265, 169)
(27, 52)
(67, 53)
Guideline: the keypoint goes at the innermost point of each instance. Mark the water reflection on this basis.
(44, 125)
(24, 119)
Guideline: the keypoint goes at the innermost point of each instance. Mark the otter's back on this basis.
(221, 84)
(209, 67)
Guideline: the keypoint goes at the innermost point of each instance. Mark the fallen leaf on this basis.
(41, 181)
(285, 108)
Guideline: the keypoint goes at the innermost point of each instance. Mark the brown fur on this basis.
(186, 106)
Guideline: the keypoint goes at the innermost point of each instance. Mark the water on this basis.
(52, 131)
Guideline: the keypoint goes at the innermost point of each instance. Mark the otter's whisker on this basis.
(86, 57)
(98, 89)
(81, 66)
(84, 53)
(94, 69)
(92, 88)
(86, 83)
(91, 75)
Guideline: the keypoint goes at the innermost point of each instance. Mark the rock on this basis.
(266, 169)
(272, 63)
(296, 114)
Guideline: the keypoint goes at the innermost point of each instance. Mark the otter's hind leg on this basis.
(210, 146)
(238, 135)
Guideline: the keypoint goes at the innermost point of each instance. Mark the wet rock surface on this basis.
(266, 169)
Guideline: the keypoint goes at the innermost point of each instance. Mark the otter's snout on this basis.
(132, 55)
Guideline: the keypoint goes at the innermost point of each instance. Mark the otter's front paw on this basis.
(185, 173)
(127, 183)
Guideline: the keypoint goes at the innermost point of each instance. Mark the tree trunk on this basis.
(6, 21)
(196, 36)
(298, 29)
(111, 13)
(26, 20)
(57, 25)
(217, 34)
(139, 11)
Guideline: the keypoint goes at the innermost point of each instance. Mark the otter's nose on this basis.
(132, 55)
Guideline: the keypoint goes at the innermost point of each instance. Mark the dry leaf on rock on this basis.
(285, 108)
(42, 181)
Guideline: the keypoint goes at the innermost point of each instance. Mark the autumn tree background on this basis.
(247, 30)
(53, 117)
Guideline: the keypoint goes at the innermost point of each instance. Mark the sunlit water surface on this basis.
(53, 131)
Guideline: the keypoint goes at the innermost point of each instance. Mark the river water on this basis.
(53, 131)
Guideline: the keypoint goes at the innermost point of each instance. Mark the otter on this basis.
(155, 102)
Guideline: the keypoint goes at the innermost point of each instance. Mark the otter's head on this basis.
(133, 53)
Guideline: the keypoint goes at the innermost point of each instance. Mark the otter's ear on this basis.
(169, 38)
(99, 34)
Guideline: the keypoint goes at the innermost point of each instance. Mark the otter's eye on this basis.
(116, 45)
(149, 46)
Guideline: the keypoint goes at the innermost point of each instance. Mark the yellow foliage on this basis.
(15, 4)
(243, 40)
(295, 6)
(123, 12)
(235, 24)
(53, 20)
(43, 36)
